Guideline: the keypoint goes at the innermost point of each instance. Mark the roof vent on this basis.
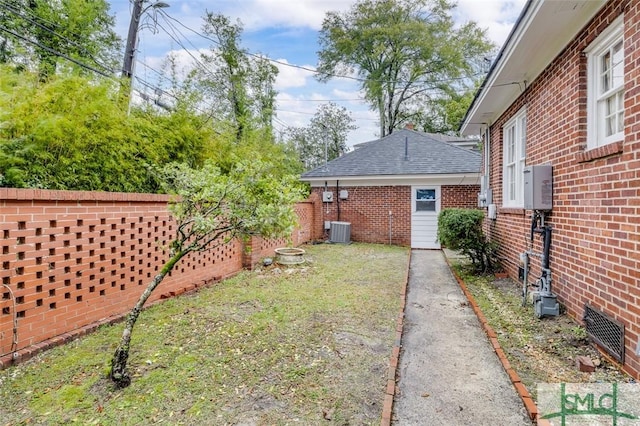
(340, 232)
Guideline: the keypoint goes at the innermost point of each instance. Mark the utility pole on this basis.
(132, 44)
(132, 39)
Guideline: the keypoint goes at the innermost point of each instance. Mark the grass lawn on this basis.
(540, 350)
(278, 346)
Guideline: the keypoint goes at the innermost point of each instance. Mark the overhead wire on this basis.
(311, 70)
(56, 53)
(84, 50)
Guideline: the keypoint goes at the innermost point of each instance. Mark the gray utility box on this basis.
(538, 187)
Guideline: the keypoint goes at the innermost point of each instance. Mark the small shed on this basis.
(392, 189)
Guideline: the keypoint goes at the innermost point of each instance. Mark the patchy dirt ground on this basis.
(306, 345)
(540, 350)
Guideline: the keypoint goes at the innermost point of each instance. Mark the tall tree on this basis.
(39, 33)
(211, 208)
(407, 53)
(241, 85)
(325, 138)
(334, 123)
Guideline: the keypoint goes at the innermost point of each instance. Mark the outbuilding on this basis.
(391, 190)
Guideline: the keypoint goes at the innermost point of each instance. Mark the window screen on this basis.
(425, 200)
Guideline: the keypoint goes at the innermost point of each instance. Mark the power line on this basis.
(311, 70)
(322, 100)
(49, 30)
(56, 53)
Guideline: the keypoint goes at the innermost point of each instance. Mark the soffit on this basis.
(543, 30)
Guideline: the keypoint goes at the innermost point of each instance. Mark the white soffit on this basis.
(540, 34)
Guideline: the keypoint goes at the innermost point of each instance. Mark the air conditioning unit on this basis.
(340, 232)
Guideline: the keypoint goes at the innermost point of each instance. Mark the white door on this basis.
(425, 206)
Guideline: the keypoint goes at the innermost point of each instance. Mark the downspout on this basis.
(338, 198)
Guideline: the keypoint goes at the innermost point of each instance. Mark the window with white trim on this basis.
(605, 87)
(514, 143)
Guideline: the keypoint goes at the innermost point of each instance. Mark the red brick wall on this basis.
(459, 196)
(596, 214)
(73, 259)
(259, 247)
(367, 209)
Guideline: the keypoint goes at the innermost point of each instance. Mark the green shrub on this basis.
(73, 133)
(461, 229)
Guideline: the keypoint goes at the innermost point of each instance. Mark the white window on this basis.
(605, 88)
(425, 200)
(514, 139)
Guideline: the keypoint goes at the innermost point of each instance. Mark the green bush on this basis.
(461, 229)
(73, 133)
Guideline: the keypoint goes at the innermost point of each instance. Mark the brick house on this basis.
(391, 190)
(565, 91)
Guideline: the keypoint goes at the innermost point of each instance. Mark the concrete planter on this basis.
(289, 256)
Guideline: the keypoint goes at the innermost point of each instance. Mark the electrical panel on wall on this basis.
(485, 198)
(538, 187)
(327, 197)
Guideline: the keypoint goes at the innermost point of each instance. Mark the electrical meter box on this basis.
(538, 187)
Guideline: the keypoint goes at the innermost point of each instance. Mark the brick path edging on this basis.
(524, 394)
(391, 388)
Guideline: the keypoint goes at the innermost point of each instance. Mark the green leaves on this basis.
(78, 29)
(326, 134)
(72, 133)
(408, 53)
(241, 84)
(211, 207)
(461, 229)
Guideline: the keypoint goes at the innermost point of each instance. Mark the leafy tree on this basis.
(212, 208)
(72, 134)
(241, 86)
(407, 53)
(445, 113)
(335, 123)
(326, 134)
(38, 32)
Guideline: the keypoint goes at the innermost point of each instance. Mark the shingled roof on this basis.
(425, 154)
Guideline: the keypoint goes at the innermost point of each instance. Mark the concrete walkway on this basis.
(448, 373)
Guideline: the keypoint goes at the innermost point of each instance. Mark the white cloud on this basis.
(257, 14)
(291, 76)
(496, 16)
(298, 90)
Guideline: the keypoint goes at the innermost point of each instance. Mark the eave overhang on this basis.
(543, 30)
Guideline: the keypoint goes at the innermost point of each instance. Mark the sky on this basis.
(286, 31)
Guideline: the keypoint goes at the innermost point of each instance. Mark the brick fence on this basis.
(72, 260)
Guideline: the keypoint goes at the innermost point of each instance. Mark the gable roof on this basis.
(540, 34)
(427, 154)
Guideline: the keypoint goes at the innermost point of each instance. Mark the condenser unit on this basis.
(340, 232)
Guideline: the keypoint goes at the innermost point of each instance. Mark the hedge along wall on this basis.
(72, 260)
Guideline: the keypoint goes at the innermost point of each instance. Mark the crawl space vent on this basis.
(605, 331)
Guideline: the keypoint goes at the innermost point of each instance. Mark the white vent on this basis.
(340, 232)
